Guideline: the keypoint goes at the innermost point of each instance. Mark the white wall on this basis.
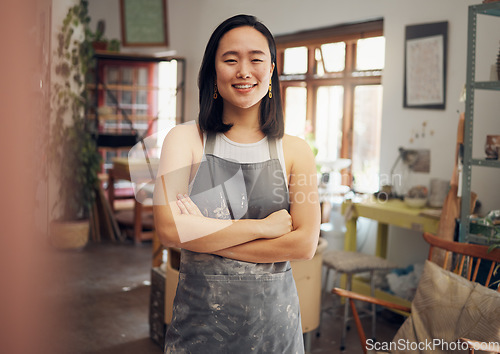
(192, 21)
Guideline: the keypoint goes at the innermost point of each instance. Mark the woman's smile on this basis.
(244, 88)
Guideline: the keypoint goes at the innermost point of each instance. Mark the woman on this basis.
(242, 203)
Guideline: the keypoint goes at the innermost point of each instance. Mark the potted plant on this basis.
(73, 150)
(99, 41)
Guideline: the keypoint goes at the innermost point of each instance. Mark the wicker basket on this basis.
(69, 235)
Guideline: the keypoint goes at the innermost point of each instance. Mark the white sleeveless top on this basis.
(245, 153)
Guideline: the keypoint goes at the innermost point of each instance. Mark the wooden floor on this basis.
(102, 297)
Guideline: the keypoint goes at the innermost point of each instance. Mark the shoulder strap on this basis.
(273, 148)
(210, 144)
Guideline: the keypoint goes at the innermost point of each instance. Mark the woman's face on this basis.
(243, 67)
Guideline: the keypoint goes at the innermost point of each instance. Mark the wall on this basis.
(192, 21)
(24, 307)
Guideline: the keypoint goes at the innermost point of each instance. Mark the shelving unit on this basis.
(491, 9)
(128, 93)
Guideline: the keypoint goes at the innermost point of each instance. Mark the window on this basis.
(331, 81)
(130, 94)
(143, 91)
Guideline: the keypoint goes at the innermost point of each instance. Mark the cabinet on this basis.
(490, 9)
(134, 95)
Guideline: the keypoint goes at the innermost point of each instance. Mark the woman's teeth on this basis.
(243, 86)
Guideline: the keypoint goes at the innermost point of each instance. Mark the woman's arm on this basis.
(194, 231)
(300, 243)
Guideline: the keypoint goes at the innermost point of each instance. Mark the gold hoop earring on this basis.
(270, 90)
(215, 91)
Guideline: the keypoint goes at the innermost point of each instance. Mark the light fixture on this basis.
(410, 159)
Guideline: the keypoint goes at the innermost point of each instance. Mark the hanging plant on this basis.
(72, 148)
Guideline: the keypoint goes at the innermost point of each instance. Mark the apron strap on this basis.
(209, 150)
(210, 143)
(273, 148)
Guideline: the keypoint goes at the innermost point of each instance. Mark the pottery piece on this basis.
(492, 146)
(415, 202)
(438, 191)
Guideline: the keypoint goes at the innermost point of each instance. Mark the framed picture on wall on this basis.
(144, 23)
(425, 65)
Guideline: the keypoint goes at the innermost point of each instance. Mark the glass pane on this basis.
(366, 137)
(109, 125)
(295, 60)
(127, 76)
(141, 97)
(126, 98)
(295, 111)
(329, 113)
(141, 112)
(320, 71)
(112, 75)
(110, 154)
(141, 124)
(111, 97)
(334, 56)
(142, 77)
(167, 98)
(370, 53)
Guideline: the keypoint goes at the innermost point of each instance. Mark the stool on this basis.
(350, 263)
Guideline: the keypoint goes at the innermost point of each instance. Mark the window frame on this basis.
(312, 39)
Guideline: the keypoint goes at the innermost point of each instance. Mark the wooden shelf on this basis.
(132, 117)
(113, 87)
(103, 54)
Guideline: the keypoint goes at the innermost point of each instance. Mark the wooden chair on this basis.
(464, 260)
(139, 217)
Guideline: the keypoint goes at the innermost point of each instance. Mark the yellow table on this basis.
(393, 212)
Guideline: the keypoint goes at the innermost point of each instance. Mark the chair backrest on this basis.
(464, 258)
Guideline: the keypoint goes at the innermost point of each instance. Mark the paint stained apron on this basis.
(224, 305)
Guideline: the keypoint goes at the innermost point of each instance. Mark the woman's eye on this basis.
(230, 61)
(257, 60)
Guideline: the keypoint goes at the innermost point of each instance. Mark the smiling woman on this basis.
(270, 110)
(239, 197)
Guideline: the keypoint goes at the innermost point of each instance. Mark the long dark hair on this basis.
(210, 116)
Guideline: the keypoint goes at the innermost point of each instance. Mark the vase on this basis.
(100, 45)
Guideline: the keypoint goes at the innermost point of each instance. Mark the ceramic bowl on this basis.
(415, 202)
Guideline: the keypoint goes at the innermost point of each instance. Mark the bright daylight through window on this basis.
(331, 84)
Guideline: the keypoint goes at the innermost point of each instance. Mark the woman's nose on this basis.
(244, 71)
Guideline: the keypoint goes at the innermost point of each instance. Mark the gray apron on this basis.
(224, 305)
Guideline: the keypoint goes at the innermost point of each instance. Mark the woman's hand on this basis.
(277, 224)
(187, 206)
